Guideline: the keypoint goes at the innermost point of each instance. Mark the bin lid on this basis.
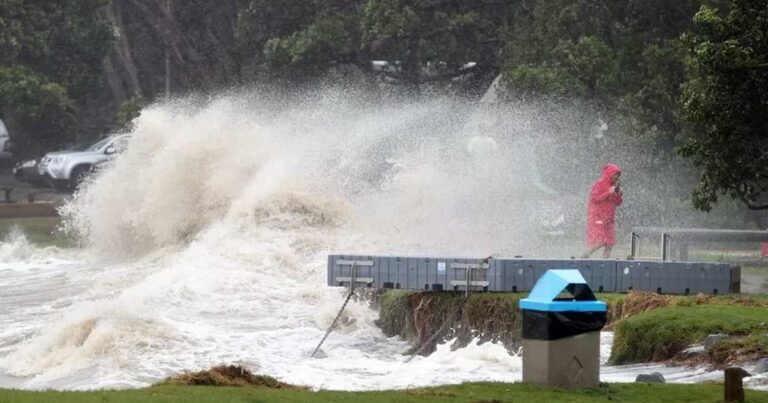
(543, 297)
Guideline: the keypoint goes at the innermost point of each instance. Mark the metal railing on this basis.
(684, 237)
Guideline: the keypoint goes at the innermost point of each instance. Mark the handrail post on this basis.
(665, 240)
(633, 245)
(468, 277)
(353, 277)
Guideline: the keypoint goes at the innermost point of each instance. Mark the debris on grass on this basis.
(228, 375)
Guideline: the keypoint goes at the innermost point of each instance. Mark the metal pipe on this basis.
(701, 234)
(468, 278)
(665, 240)
(633, 245)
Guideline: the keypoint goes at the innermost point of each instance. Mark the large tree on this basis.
(50, 63)
(614, 63)
(726, 102)
(434, 40)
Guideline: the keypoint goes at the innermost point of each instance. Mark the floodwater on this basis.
(206, 243)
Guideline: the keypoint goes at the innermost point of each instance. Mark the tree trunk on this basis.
(412, 67)
(122, 50)
(114, 81)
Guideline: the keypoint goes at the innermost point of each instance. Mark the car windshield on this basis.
(79, 146)
(100, 144)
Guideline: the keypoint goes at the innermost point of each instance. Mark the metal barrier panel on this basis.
(543, 265)
(520, 275)
(600, 274)
(690, 277)
(513, 274)
(402, 272)
(735, 279)
(383, 272)
(624, 277)
(696, 276)
(641, 276)
(479, 276)
(441, 266)
(425, 272)
(452, 273)
(722, 279)
(679, 281)
(496, 275)
(540, 266)
(341, 269)
(332, 270)
(337, 270)
(367, 271)
(412, 282)
(529, 274)
(714, 278)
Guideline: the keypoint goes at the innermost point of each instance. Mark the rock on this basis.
(655, 377)
(710, 340)
(695, 349)
(761, 367)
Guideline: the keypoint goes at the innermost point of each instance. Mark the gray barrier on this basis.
(520, 274)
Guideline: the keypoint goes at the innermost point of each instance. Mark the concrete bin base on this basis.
(568, 363)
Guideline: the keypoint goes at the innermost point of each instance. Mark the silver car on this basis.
(5, 142)
(66, 169)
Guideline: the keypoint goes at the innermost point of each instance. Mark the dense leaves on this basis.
(634, 79)
(50, 58)
(727, 103)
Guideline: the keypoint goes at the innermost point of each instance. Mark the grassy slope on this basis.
(661, 333)
(475, 392)
(649, 327)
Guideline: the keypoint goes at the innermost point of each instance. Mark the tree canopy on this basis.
(727, 103)
(641, 77)
(50, 61)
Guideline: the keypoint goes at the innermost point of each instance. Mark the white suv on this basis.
(66, 169)
(5, 142)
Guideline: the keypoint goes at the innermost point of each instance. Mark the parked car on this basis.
(66, 169)
(5, 142)
(28, 171)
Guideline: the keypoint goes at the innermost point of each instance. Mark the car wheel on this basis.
(79, 174)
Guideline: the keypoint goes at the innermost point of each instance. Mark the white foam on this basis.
(207, 241)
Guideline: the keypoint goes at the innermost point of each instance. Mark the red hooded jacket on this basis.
(601, 211)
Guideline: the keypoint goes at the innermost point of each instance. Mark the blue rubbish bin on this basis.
(561, 332)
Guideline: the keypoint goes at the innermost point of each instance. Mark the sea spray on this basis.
(206, 241)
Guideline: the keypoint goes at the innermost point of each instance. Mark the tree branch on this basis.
(439, 77)
(751, 205)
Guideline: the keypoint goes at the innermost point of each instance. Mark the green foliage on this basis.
(393, 313)
(661, 333)
(434, 39)
(39, 109)
(50, 57)
(312, 49)
(128, 111)
(727, 104)
(300, 40)
(259, 21)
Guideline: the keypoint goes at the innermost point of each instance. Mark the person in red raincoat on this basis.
(605, 196)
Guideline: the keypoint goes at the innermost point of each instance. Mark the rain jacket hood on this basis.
(609, 170)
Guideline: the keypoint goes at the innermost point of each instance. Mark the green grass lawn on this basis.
(40, 231)
(471, 392)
